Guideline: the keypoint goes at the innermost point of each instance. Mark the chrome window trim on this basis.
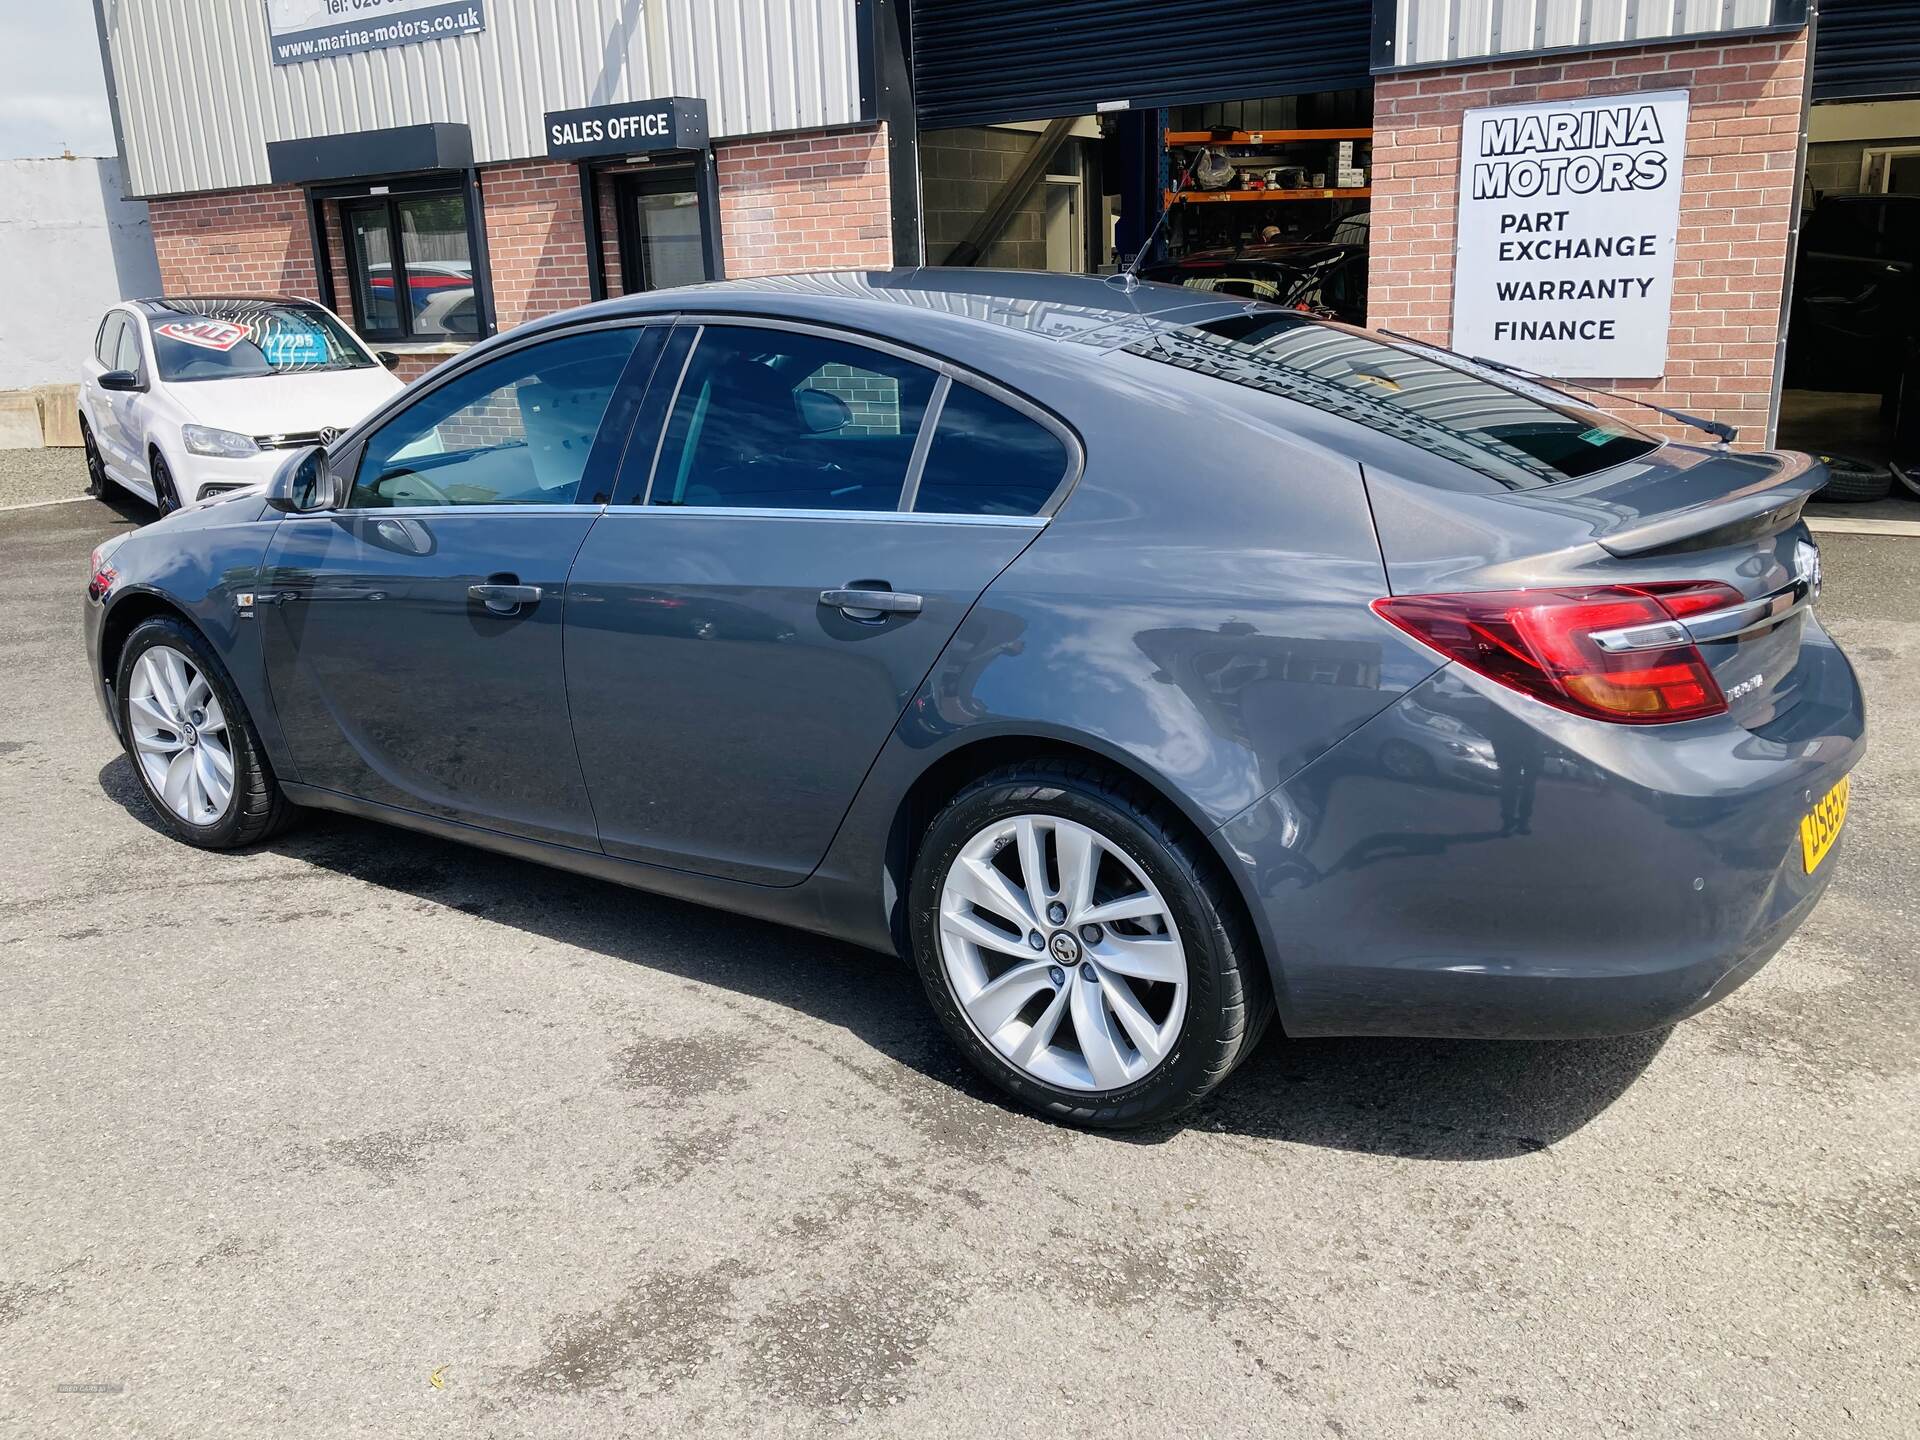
(423, 512)
(1014, 522)
(666, 417)
(947, 369)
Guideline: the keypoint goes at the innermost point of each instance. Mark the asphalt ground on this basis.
(366, 1134)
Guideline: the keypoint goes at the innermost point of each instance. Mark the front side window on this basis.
(989, 459)
(780, 420)
(126, 355)
(513, 431)
(409, 267)
(237, 339)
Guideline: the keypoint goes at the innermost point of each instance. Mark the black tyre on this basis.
(1137, 986)
(1907, 476)
(166, 495)
(1853, 481)
(192, 744)
(96, 467)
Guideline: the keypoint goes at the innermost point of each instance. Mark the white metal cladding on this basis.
(199, 98)
(1433, 32)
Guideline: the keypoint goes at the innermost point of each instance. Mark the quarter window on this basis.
(514, 431)
(781, 420)
(106, 344)
(409, 267)
(989, 459)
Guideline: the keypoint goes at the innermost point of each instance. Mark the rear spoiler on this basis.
(1765, 507)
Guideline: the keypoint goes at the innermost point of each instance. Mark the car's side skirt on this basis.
(808, 906)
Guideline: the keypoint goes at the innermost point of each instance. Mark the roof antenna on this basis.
(1129, 278)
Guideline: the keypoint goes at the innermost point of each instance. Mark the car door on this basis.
(93, 400)
(747, 622)
(132, 409)
(106, 413)
(413, 637)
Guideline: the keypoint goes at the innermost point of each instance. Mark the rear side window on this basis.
(989, 459)
(782, 420)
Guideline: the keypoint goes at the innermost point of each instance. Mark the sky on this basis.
(53, 96)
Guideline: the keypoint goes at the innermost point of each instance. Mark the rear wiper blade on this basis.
(1726, 434)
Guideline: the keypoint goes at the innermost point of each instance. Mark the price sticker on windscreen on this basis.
(293, 347)
(207, 334)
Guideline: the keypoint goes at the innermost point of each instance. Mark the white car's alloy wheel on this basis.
(180, 735)
(1062, 954)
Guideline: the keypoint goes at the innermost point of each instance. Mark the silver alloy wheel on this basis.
(1063, 955)
(180, 735)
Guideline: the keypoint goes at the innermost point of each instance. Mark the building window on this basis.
(409, 267)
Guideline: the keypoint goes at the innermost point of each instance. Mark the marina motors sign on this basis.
(300, 30)
(1568, 215)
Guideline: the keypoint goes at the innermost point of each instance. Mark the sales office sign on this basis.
(1568, 216)
(632, 128)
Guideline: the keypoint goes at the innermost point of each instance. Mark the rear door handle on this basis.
(871, 604)
(504, 599)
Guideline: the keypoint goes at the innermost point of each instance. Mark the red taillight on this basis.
(1541, 642)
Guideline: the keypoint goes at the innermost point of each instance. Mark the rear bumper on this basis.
(1602, 880)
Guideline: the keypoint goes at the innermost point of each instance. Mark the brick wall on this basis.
(805, 202)
(243, 240)
(1736, 207)
(535, 241)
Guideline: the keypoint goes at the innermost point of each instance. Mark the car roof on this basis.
(933, 302)
(162, 304)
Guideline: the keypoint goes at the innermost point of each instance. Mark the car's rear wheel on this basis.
(191, 741)
(166, 495)
(96, 467)
(1080, 949)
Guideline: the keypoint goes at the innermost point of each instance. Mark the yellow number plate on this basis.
(1820, 827)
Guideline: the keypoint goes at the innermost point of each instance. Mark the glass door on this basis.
(660, 234)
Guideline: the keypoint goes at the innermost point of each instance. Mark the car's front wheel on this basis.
(96, 467)
(1080, 949)
(166, 495)
(192, 744)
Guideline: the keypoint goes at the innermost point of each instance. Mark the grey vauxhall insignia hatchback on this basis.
(1145, 665)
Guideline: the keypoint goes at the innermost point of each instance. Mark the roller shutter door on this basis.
(982, 62)
(1866, 50)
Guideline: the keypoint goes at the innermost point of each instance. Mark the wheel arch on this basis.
(127, 613)
(953, 770)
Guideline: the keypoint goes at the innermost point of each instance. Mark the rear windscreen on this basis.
(1516, 433)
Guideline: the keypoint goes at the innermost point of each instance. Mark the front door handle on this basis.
(871, 604)
(504, 599)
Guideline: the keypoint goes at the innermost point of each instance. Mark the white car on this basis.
(189, 397)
